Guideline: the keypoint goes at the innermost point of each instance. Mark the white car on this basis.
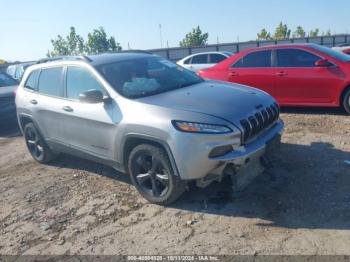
(201, 61)
(345, 48)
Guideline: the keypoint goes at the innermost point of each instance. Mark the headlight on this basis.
(193, 127)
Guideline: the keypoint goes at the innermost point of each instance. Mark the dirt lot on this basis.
(301, 206)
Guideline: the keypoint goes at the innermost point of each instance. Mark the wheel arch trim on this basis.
(151, 139)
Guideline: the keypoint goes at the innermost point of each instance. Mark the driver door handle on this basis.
(67, 109)
(281, 73)
(233, 74)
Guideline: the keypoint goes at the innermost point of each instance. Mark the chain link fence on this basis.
(177, 53)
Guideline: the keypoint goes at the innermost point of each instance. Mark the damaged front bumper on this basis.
(246, 162)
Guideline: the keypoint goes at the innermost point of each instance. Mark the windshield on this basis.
(332, 53)
(147, 76)
(6, 80)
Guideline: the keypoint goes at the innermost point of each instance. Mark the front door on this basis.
(89, 127)
(299, 81)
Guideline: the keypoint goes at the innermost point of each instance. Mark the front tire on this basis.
(152, 175)
(36, 145)
(346, 102)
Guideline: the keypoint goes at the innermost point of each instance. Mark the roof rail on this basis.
(51, 59)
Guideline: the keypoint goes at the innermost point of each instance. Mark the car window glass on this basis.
(216, 58)
(295, 58)
(200, 59)
(147, 76)
(6, 80)
(254, 60)
(50, 81)
(79, 80)
(187, 61)
(19, 72)
(31, 81)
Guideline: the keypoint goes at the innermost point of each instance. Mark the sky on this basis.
(26, 27)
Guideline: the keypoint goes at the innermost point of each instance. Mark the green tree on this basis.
(327, 33)
(264, 35)
(299, 33)
(72, 44)
(195, 38)
(2, 62)
(98, 42)
(282, 31)
(314, 33)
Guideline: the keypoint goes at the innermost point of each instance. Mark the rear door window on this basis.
(200, 59)
(254, 60)
(50, 81)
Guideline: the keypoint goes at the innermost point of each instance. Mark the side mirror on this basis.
(92, 96)
(323, 63)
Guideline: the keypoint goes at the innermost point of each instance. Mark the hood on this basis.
(231, 102)
(6, 91)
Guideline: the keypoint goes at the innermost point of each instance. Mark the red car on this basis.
(296, 74)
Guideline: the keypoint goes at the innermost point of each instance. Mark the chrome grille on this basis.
(258, 122)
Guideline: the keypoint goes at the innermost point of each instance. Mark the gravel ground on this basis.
(72, 206)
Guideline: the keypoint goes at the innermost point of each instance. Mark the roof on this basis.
(285, 45)
(116, 57)
(99, 59)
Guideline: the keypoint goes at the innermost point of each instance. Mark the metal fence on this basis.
(177, 53)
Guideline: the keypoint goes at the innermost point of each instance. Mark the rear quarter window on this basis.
(31, 80)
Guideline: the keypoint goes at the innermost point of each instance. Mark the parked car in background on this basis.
(8, 87)
(146, 116)
(200, 61)
(16, 71)
(296, 75)
(345, 48)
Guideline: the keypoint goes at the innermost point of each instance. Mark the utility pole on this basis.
(160, 36)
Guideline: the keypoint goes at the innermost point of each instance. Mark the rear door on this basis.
(299, 81)
(46, 104)
(254, 69)
(88, 127)
(199, 62)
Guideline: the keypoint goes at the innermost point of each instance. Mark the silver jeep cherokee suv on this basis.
(146, 116)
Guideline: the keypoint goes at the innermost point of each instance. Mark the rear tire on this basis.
(36, 145)
(346, 101)
(152, 175)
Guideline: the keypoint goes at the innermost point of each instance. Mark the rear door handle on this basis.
(281, 74)
(233, 74)
(33, 101)
(67, 108)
